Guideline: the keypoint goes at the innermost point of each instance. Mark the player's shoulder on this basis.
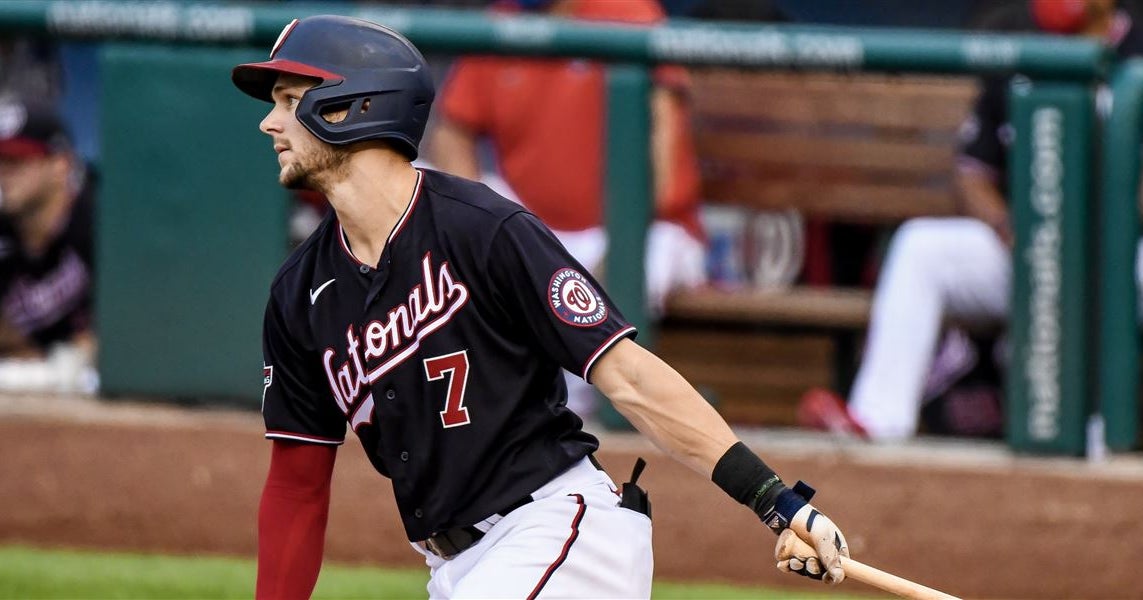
(467, 201)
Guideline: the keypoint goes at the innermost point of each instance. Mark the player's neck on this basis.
(370, 200)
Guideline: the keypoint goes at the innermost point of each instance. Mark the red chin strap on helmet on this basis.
(1059, 16)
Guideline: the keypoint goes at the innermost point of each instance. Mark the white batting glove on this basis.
(792, 512)
(822, 560)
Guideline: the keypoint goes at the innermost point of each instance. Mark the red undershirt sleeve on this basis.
(292, 519)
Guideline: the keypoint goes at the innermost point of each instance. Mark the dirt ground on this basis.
(971, 521)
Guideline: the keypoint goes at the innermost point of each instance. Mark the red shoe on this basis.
(824, 410)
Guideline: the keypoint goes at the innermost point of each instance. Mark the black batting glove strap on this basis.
(787, 504)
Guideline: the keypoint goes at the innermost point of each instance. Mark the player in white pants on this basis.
(936, 268)
(948, 268)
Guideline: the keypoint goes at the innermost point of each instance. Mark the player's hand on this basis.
(792, 514)
(829, 543)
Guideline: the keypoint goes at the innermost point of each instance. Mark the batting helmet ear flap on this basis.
(397, 114)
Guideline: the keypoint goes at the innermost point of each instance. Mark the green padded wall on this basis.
(191, 225)
(1052, 324)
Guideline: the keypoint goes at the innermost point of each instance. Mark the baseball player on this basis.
(47, 266)
(958, 267)
(431, 317)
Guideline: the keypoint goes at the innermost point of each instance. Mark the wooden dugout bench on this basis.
(852, 148)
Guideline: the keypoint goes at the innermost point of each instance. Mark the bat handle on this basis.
(866, 574)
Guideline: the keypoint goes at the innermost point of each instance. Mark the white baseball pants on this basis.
(572, 541)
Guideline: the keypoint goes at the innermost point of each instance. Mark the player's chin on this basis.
(293, 178)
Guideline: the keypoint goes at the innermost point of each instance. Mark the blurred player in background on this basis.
(46, 254)
(957, 268)
(545, 119)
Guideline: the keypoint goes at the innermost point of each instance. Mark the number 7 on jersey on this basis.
(455, 367)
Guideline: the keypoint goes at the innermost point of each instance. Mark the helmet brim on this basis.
(257, 79)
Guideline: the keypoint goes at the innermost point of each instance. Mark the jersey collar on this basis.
(396, 228)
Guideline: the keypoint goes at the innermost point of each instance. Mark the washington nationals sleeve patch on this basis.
(574, 300)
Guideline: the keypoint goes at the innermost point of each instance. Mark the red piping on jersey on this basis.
(345, 246)
(611, 341)
(567, 548)
(409, 209)
(313, 439)
(396, 228)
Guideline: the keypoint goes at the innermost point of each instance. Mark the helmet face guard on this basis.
(372, 71)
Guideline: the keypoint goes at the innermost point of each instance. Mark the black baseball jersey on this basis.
(48, 296)
(986, 133)
(445, 359)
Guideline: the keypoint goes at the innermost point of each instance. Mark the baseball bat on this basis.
(877, 578)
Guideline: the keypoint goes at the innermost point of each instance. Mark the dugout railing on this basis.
(1073, 330)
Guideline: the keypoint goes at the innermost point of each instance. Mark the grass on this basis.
(28, 573)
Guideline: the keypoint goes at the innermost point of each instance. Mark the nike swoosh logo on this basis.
(315, 293)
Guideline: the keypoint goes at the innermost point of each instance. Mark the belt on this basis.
(450, 542)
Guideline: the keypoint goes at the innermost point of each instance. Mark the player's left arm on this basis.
(663, 406)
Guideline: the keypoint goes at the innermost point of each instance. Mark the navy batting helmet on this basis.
(372, 71)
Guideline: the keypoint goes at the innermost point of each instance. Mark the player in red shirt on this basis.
(546, 118)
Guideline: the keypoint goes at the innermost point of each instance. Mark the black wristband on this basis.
(742, 475)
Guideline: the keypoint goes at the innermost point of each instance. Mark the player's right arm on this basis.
(292, 519)
(546, 291)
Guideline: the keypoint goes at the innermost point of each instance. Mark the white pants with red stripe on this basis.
(572, 541)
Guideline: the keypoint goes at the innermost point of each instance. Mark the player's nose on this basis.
(269, 124)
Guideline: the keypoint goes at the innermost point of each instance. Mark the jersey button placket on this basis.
(390, 394)
(418, 513)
